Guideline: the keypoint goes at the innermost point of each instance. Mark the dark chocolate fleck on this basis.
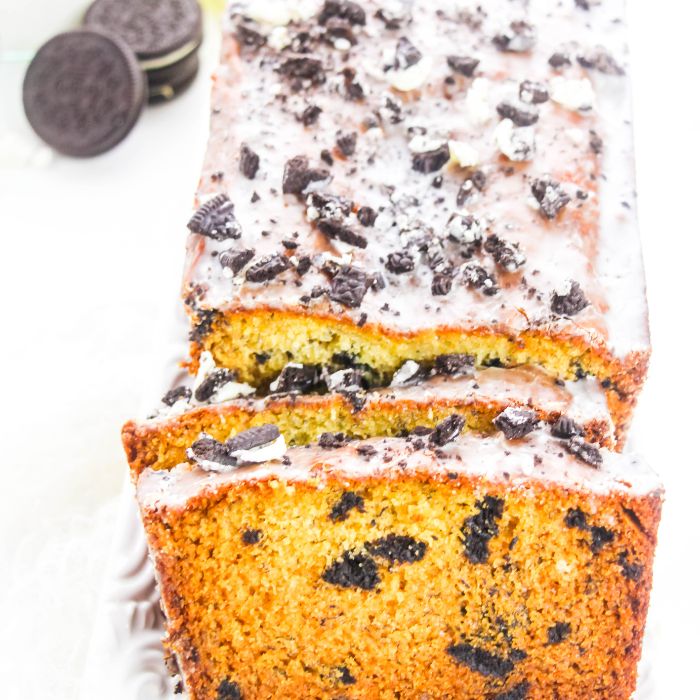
(520, 116)
(571, 303)
(398, 549)
(236, 260)
(478, 529)
(600, 536)
(215, 219)
(177, 394)
(250, 161)
(310, 115)
(447, 430)
(464, 65)
(516, 422)
(348, 501)
(353, 570)
(267, 268)
(576, 518)
(558, 632)
(228, 690)
(346, 678)
(251, 536)
(343, 9)
(480, 660)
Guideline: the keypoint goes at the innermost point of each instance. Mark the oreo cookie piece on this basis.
(83, 92)
(165, 35)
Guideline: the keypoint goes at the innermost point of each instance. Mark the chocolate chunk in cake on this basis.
(480, 660)
(398, 549)
(251, 536)
(353, 570)
(348, 501)
(479, 529)
(228, 690)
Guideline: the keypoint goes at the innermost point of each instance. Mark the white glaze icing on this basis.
(593, 241)
(518, 463)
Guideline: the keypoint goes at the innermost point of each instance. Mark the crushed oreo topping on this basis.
(517, 143)
(410, 372)
(559, 59)
(532, 92)
(250, 161)
(215, 219)
(441, 284)
(519, 37)
(455, 365)
(366, 216)
(398, 549)
(206, 451)
(298, 175)
(236, 260)
(464, 65)
(296, 378)
(406, 54)
(558, 632)
(477, 277)
(584, 451)
(349, 286)
(595, 142)
(346, 142)
(550, 195)
(565, 428)
(180, 393)
(301, 68)
(506, 255)
(599, 59)
(571, 302)
(310, 115)
(348, 501)
(353, 570)
(213, 382)
(332, 441)
(399, 262)
(431, 161)
(480, 660)
(479, 529)
(520, 115)
(253, 438)
(447, 430)
(267, 268)
(342, 9)
(516, 422)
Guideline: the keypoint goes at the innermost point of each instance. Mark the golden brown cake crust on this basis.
(557, 606)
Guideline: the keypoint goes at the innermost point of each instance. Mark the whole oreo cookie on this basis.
(164, 34)
(83, 92)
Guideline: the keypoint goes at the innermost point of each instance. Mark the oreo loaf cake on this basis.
(418, 331)
(431, 566)
(393, 181)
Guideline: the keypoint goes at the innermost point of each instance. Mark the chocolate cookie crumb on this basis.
(455, 365)
(236, 260)
(267, 268)
(348, 501)
(570, 303)
(180, 393)
(353, 570)
(447, 430)
(480, 528)
(550, 195)
(228, 690)
(565, 428)
(250, 161)
(331, 441)
(215, 219)
(480, 660)
(558, 632)
(349, 286)
(398, 549)
(515, 422)
(251, 537)
(464, 65)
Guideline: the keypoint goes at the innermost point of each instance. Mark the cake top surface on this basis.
(421, 164)
(538, 457)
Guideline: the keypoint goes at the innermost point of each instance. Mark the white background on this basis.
(90, 258)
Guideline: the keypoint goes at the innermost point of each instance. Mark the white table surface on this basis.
(90, 263)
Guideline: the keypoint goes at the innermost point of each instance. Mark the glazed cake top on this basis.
(421, 164)
(536, 458)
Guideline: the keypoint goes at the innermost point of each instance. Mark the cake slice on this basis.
(432, 566)
(204, 405)
(389, 182)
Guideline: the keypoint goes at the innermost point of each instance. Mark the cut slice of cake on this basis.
(417, 398)
(431, 567)
(387, 186)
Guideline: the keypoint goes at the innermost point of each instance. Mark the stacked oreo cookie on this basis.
(85, 89)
